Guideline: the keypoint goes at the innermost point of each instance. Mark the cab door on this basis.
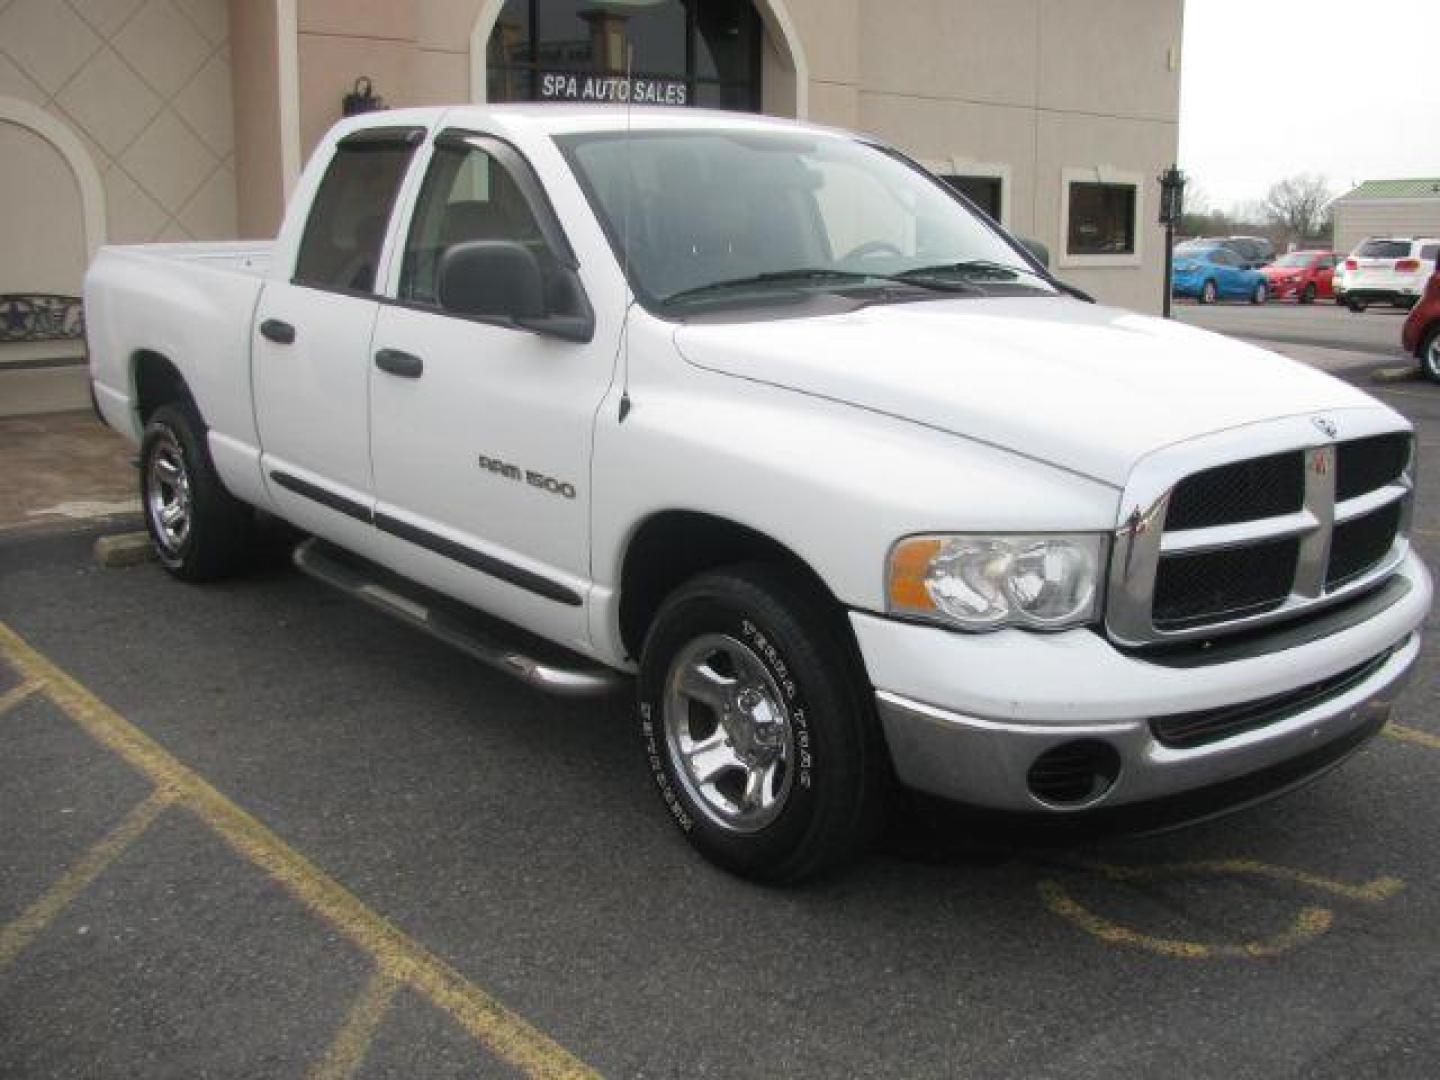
(480, 430)
(311, 340)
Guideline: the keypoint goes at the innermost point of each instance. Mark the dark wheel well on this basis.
(671, 548)
(157, 382)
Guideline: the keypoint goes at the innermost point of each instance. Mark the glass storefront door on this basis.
(682, 52)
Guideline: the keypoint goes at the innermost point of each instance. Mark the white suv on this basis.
(1393, 269)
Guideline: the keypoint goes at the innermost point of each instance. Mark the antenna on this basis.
(625, 233)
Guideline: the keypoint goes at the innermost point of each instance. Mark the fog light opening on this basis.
(1074, 773)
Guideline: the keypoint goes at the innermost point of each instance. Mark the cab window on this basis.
(340, 248)
(468, 194)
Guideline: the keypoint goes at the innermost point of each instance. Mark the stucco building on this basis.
(128, 121)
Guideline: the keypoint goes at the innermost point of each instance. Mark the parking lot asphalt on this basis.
(1324, 323)
(257, 830)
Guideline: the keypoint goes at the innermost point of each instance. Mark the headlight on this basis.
(986, 582)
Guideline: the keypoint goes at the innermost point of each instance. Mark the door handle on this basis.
(282, 333)
(404, 364)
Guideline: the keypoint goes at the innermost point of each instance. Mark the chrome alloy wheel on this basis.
(167, 495)
(728, 733)
(1431, 357)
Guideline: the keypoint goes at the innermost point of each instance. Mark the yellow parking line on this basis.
(15, 695)
(1412, 735)
(1310, 923)
(353, 1040)
(1381, 888)
(502, 1032)
(24, 929)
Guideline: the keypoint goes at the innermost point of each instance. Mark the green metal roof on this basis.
(1421, 187)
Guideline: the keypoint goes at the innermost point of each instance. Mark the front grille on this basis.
(1366, 464)
(1184, 731)
(1192, 590)
(1358, 544)
(1256, 540)
(1242, 491)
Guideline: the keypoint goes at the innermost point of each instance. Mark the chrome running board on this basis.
(539, 663)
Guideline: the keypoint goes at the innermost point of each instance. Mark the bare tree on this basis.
(1297, 204)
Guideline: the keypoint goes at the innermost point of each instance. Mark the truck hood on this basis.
(1087, 388)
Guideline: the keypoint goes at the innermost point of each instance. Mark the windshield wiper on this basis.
(799, 275)
(813, 274)
(968, 268)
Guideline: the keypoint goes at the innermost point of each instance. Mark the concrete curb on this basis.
(1395, 374)
(123, 549)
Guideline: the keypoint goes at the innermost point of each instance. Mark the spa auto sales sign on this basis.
(612, 89)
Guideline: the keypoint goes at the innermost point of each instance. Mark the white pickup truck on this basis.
(766, 417)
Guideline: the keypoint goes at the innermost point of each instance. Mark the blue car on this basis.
(1208, 272)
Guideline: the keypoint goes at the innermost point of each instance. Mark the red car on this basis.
(1301, 275)
(1421, 333)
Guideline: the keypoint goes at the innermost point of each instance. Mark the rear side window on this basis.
(346, 229)
(1384, 249)
(1429, 251)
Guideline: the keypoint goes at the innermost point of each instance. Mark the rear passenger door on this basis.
(310, 342)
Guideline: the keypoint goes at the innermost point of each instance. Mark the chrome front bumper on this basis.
(985, 763)
(966, 716)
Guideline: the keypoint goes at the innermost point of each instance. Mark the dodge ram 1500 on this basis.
(764, 424)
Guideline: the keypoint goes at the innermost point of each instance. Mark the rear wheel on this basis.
(1260, 295)
(1208, 293)
(1307, 295)
(1430, 354)
(199, 530)
(1357, 305)
(759, 726)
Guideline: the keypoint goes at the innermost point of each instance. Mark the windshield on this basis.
(1295, 258)
(720, 216)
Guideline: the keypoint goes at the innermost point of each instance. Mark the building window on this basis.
(1100, 215)
(679, 52)
(1102, 219)
(986, 192)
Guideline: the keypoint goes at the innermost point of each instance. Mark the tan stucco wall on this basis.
(259, 164)
(144, 85)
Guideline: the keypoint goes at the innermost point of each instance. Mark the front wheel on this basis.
(1208, 293)
(1430, 355)
(1260, 295)
(198, 529)
(1307, 295)
(1357, 306)
(759, 727)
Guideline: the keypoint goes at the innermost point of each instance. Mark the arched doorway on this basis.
(52, 216)
(733, 54)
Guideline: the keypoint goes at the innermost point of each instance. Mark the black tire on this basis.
(830, 782)
(1307, 294)
(1208, 293)
(218, 536)
(1260, 295)
(1430, 354)
(1357, 306)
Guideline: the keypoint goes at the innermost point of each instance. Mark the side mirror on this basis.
(1037, 249)
(502, 280)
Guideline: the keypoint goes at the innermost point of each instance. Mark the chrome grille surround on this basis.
(1141, 539)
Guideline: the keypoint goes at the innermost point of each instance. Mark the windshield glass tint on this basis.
(695, 209)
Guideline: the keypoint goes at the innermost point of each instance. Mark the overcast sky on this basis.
(1346, 88)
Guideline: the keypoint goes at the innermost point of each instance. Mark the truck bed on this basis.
(249, 257)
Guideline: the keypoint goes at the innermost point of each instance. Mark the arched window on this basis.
(692, 52)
